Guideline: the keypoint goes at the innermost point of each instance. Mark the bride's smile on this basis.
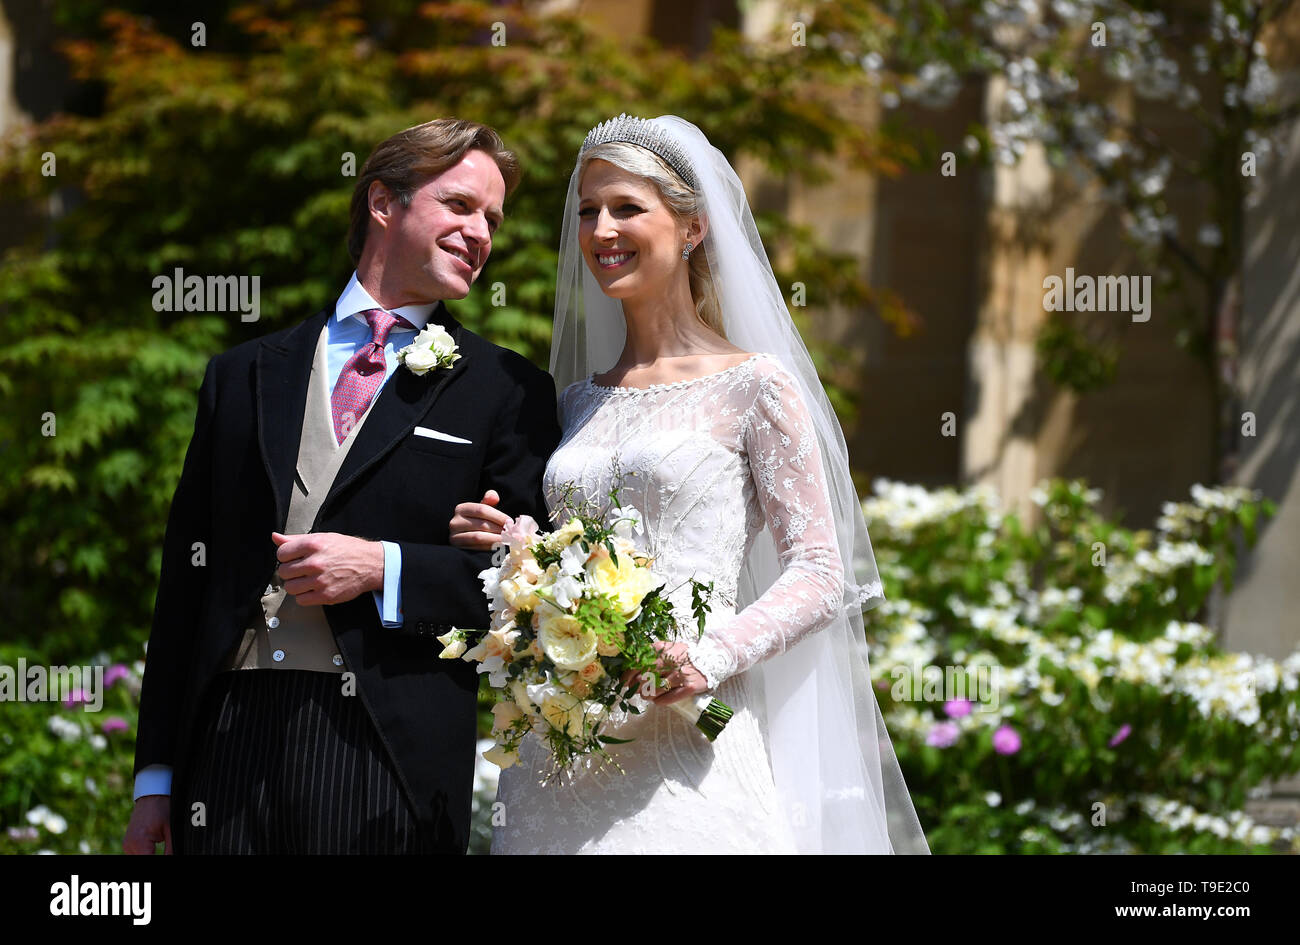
(613, 259)
(631, 240)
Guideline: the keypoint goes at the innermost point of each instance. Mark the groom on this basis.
(293, 698)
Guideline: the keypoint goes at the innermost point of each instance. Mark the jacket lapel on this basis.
(283, 369)
(404, 399)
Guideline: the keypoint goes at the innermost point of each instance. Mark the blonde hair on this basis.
(410, 158)
(681, 200)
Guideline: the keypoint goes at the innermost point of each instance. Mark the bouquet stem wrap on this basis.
(704, 712)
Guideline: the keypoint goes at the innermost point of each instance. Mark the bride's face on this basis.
(629, 237)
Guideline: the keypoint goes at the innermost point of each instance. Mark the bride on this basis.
(709, 408)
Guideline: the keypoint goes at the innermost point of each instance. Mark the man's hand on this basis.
(150, 824)
(478, 525)
(328, 568)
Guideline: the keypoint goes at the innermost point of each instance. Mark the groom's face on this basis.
(440, 242)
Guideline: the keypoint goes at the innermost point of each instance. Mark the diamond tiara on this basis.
(646, 134)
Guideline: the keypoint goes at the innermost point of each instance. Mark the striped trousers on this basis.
(286, 763)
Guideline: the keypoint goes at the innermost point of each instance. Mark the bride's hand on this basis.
(682, 680)
(478, 525)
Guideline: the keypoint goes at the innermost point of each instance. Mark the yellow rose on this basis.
(610, 647)
(565, 712)
(565, 642)
(563, 537)
(592, 671)
(626, 584)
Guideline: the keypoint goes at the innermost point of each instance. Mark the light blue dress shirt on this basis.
(346, 333)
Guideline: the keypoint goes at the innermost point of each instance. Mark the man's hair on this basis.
(411, 158)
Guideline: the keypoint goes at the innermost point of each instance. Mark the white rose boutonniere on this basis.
(431, 348)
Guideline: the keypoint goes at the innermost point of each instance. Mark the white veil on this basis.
(839, 781)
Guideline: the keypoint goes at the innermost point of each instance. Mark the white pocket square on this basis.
(438, 435)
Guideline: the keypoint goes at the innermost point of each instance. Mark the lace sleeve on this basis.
(785, 463)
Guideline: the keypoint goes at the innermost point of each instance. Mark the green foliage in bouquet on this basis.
(1050, 688)
(577, 615)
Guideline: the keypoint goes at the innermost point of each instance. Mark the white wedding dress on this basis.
(708, 462)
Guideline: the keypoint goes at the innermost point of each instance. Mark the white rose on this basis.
(420, 360)
(566, 642)
(436, 337)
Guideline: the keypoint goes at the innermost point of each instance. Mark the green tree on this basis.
(232, 158)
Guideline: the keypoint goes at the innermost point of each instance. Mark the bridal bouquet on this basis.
(574, 612)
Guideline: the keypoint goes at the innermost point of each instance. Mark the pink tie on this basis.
(363, 373)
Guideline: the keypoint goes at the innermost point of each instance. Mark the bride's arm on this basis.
(786, 466)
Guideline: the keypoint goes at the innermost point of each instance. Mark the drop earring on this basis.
(686, 253)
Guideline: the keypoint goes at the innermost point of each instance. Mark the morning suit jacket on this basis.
(393, 485)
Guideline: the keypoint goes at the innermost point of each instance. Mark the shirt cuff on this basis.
(153, 779)
(389, 600)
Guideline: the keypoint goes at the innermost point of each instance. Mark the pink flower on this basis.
(24, 834)
(957, 708)
(943, 734)
(520, 532)
(114, 673)
(1006, 741)
(75, 696)
(1122, 734)
(114, 723)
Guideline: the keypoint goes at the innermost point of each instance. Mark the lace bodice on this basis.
(708, 462)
